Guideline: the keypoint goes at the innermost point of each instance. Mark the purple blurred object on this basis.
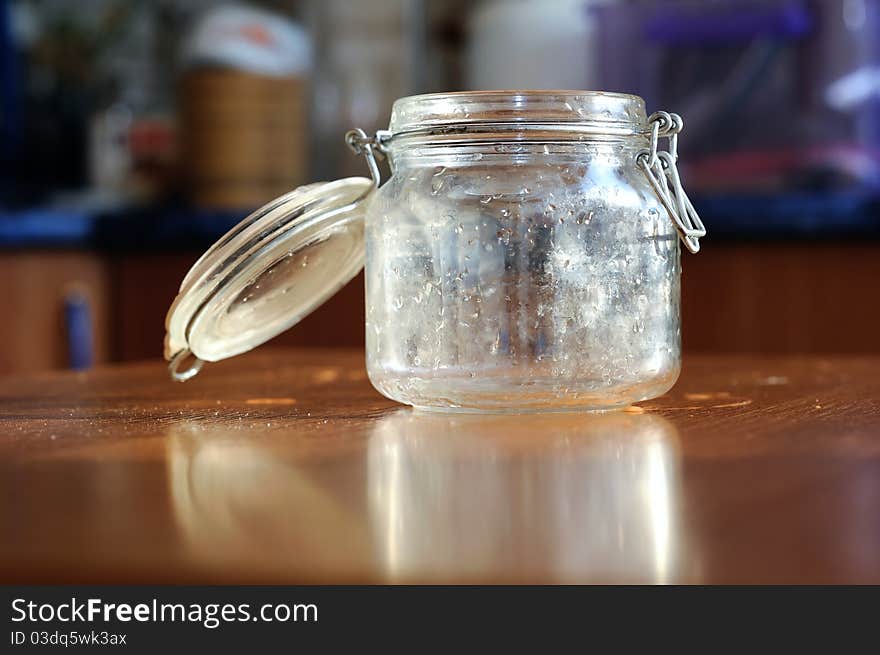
(754, 77)
(733, 23)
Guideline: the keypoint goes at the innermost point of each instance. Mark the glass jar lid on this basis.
(268, 273)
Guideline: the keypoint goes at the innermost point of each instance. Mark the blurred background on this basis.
(135, 133)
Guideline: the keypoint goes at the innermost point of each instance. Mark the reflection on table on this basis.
(564, 498)
(434, 497)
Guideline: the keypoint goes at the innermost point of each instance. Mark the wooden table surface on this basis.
(286, 466)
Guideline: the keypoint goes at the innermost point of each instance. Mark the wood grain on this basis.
(779, 297)
(736, 298)
(146, 284)
(285, 466)
(34, 287)
(764, 298)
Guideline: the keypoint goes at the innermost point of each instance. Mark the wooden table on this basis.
(285, 466)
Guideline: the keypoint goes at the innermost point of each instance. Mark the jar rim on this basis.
(598, 112)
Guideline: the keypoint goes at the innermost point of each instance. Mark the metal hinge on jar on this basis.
(660, 168)
(371, 147)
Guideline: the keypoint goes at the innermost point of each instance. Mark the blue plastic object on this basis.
(78, 322)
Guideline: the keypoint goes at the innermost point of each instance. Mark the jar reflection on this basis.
(410, 497)
(565, 498)
(270, 506)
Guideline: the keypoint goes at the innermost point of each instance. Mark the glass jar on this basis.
(523, 255)
(519, 258)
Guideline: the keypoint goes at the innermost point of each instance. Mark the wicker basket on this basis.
(243, 136)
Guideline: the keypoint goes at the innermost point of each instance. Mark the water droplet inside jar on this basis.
(437, 180)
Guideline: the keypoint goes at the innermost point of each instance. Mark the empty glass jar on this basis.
(519, 258)
(522, 256)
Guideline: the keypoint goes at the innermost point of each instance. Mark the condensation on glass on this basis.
(523, 255)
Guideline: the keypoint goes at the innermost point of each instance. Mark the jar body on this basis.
(518, 259)
(521, 277)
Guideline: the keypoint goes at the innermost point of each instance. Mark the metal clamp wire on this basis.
(662, 173)
(190, 372)
(371, 148)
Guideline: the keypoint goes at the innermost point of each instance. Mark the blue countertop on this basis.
(135, 229)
